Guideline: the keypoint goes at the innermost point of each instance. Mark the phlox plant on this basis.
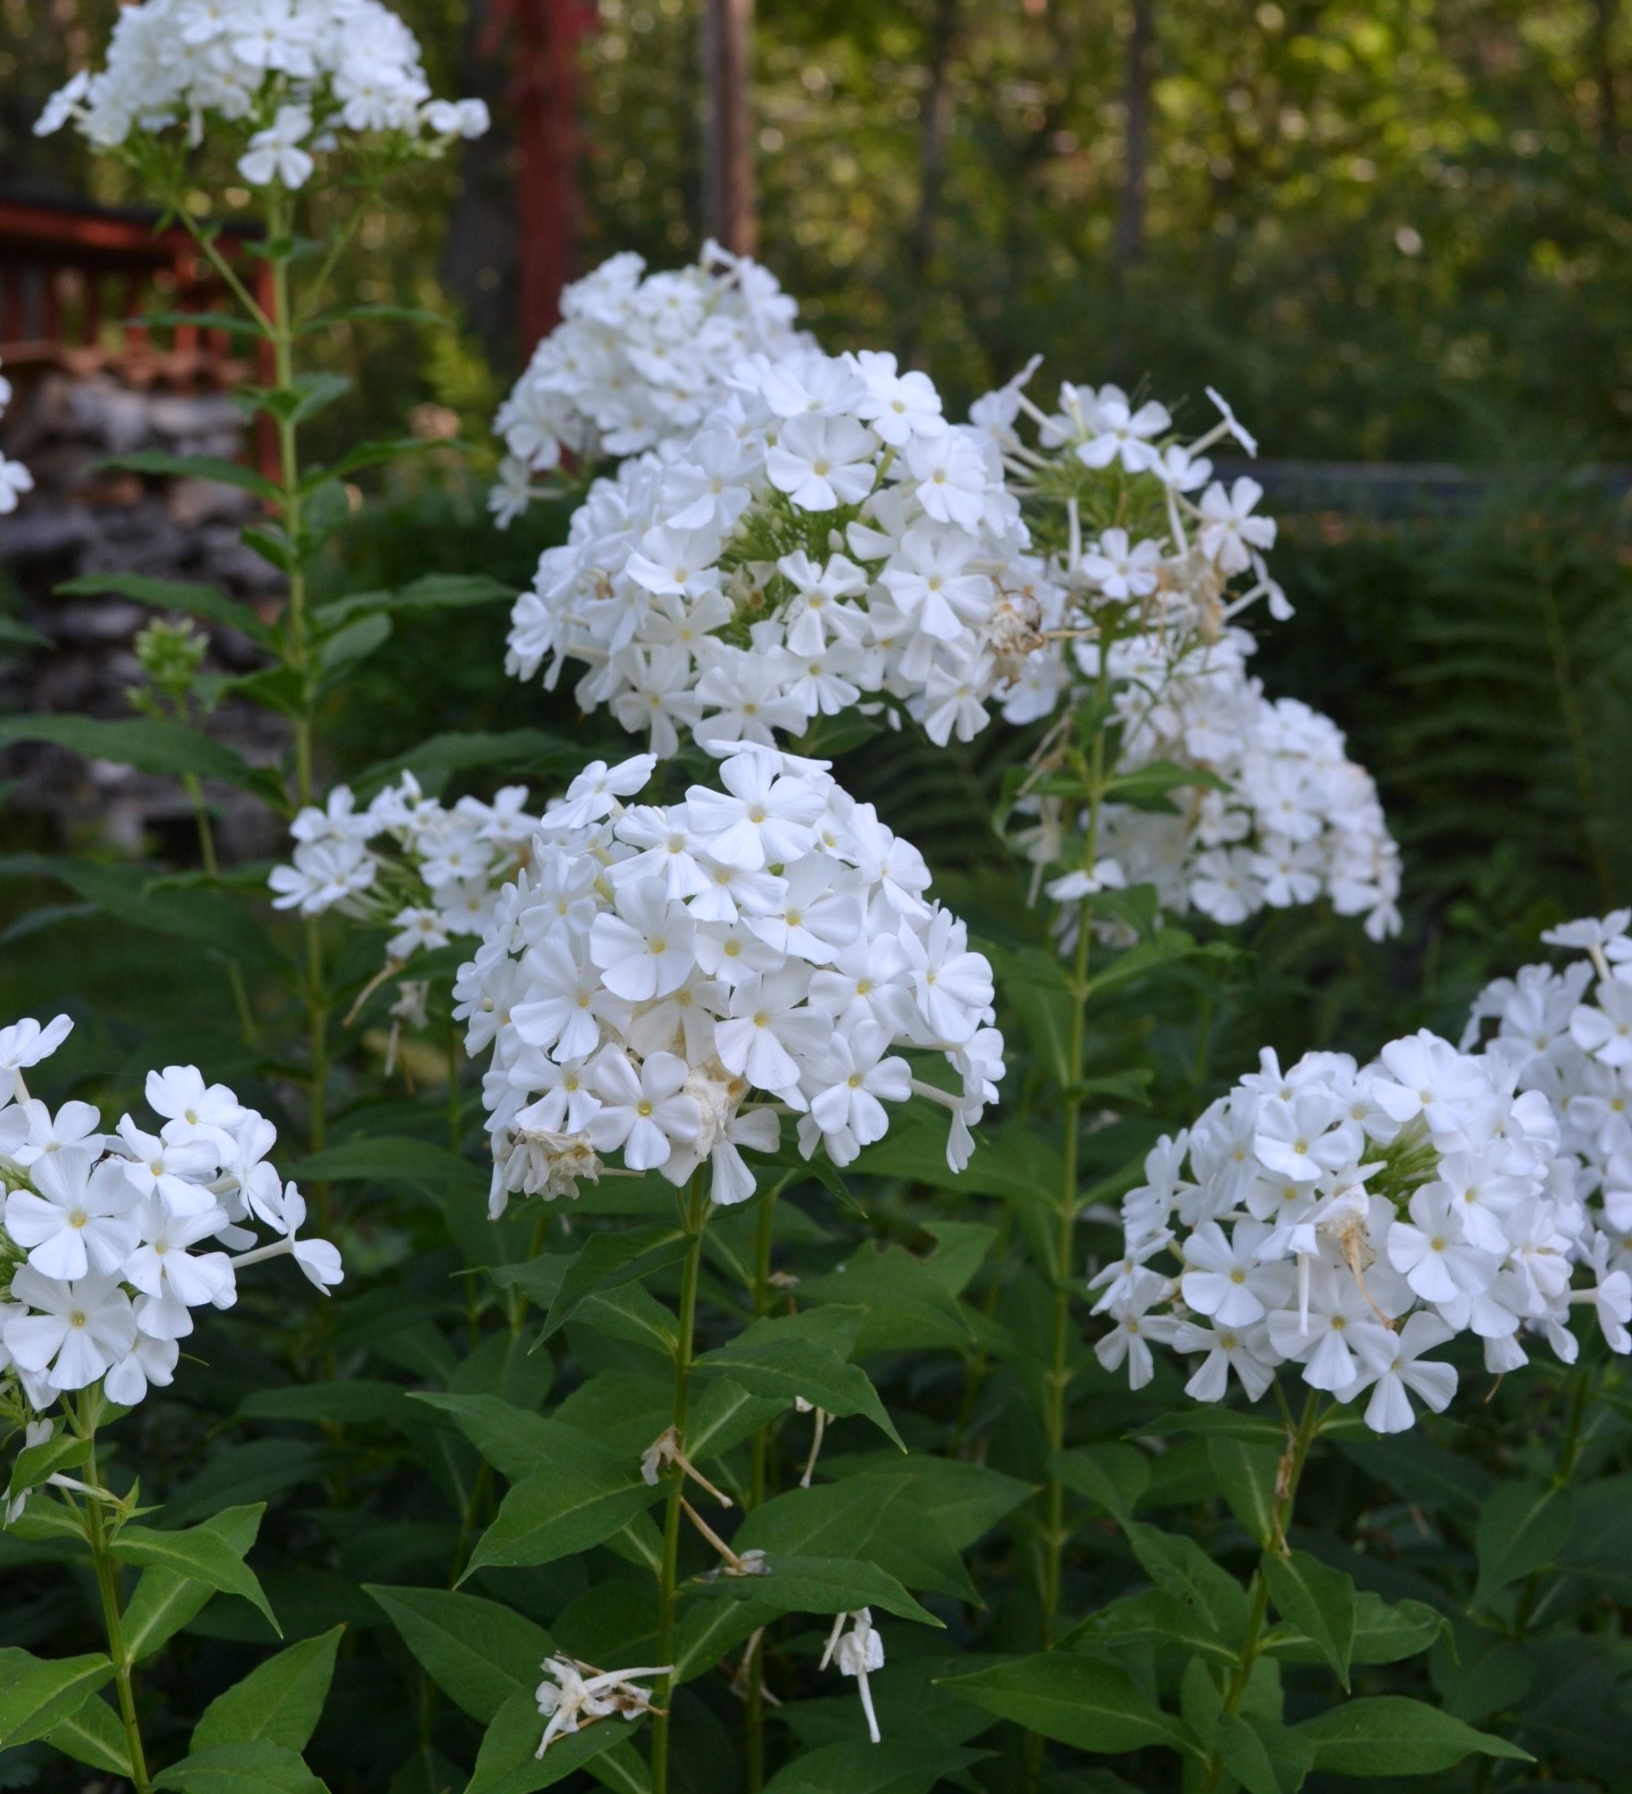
(791, 1337)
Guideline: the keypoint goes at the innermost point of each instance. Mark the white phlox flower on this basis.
(109, 1240)
(1280, 814)
(856, 1652)
(15, 479)
(577, 1694)
(820, 536)
(1348, 1221)
(638, 362)
(661, 984)
(284, 81)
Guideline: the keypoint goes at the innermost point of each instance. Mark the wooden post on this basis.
(547, 34)
(728, 159)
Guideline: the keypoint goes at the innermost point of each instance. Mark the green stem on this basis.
(1059, 1359)
(696, 1220)
(107, 1586)
(1288, 1475)
(760, 1449)
(194, 788)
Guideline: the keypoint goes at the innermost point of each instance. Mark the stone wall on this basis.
(82, 518)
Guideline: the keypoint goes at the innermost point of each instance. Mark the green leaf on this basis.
(857, 1766)
(279, 1701)
(1153, 1619)
(358, 1402)
(462, 750)
(515, 1442)
(1384, 1632)
(1114, 1476)
(38, 1463)
(92, 1734)
(607, 1260)
(203, 1555)
(169, 594)
(507, 1763)
(207, 919)
(1390, 1735)
(477, 1652)
(196, 467)
(1246, 1479)
(560, 1511)
(793, 1584)
(1075, 1700)
(770, 1358)
(1151, 785)
(1522, 1527)
(1319, 1601)
(1264, 1756)
(348, 647)
(906, 1303)
(37, 1693)
(1159, 951)
(369, 454)
(387, 1159)
(632, 1314)
(165, 1600)
(257, 1768)
(1180, 1567)
(435, 591)
(402, 314)
(226, 321)
(150, 746)
(877, 1518)
(303, 397)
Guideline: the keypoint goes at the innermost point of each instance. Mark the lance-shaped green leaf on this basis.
(351, 1403)
(794, 1584)
(204, 918)
(435, 591)
(1265, 1756)
(1319, 1601)
(199, 1553)
(477, 1652)
(516, 1443)
(771, 1358)
(389, 1159)
(1179, 1566)
(1522, 1527)
(165, 1599)
(1154, 1620)
(38, 1463)
(567, 1507)
(1114, 1476)
(174, 594)
(508, 1763)
(1246, 1479)
(196, 467)
(169, 749)
(1077, 1700)
(1384, 1632)
(38, 1692)
(279, 1701)
(1390, 1735)
(857, 1766)
(608, 1260)
(93, 1734)
(256, 1768)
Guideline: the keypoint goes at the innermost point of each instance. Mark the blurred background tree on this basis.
(1388, 230)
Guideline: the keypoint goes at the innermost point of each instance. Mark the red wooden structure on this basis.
(74, 277)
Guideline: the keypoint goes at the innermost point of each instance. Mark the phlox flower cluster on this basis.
(1349, 1221)
(665, 983)
(825, 536)
(15, 479)
(110, 1240)
(636, 363)
(286, 80)
(1151, 560)
(406, 862)
(1567, 1035)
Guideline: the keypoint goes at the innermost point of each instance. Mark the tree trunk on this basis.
(728, 159)
(1128, 244)
(1603, 71)
(932, 142)
(546, 159)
